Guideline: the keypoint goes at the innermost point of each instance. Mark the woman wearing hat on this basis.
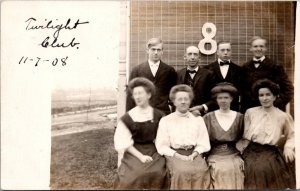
(266, 166)
(141, 167)
(225, 127)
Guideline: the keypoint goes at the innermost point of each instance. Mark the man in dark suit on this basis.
(260, 67)
(226, 71)
(200, 79)
(162, 75)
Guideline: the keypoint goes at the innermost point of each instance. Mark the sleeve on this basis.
(286, 87)
(122, 138)
(129, 101)
(162, 141)
(211, 104)
(203, 144)
(134, 73)
(173, 77)
(239, 77)
(173, 82)
(247, 123)
(289, 132)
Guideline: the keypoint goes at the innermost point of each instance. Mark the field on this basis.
(85, 160)
(82, 152)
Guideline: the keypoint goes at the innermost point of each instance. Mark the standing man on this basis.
(226, 71)
(200, 79)
(260, 67)
(162, 75)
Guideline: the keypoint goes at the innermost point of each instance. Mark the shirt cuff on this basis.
(205, 107)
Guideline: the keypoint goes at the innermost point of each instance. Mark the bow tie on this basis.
(191, 71)
(257, 61)
(223, 63)
(154, 64)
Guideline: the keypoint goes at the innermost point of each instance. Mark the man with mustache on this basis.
(200, 79)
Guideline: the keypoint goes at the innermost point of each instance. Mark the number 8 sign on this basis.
(208, 35)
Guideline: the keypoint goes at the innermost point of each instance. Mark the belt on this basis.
(185, 147)
(224, 146)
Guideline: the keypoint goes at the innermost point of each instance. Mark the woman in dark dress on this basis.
(266, 167)
(225, 127)
(140, 166)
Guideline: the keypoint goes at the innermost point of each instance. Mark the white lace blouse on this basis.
(178, 130)
(268, 127)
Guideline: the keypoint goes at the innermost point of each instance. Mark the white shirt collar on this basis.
(187, 114)
(259, 59)
(151, 63)
(196, 69)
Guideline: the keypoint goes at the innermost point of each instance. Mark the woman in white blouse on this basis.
(182, 138)
(266, 167)
(141, 167)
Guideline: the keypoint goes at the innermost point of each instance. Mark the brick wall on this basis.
(179, 24)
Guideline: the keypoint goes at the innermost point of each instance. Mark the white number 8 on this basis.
(208, 39)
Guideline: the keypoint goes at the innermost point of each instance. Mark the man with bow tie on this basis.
(200, 79)
(162, 75)
(225, 70)
(260, 67)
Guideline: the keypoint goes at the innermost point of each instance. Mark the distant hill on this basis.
(82, 99)
(102, 94)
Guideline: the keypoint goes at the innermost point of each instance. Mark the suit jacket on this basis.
(164, 80)
(204, 81)
(233, 76)
(272, 71)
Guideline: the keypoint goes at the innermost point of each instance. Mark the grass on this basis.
(84, 160)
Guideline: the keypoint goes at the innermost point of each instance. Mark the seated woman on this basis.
(225, 127)
(141, 166)
(265, 166)
(182, 138)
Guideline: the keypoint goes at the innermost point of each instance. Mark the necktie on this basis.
(223, 63)
(192, 71)
(154, 68)
(257, 61)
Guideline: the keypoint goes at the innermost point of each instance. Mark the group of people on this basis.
(221, 126)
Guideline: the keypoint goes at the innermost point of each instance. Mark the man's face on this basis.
(155, 52)
(258, 48)
(192, 56)
(224, 51)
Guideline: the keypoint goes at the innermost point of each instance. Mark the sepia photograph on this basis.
(149, 95)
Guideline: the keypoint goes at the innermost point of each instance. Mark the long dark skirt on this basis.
(265, 168)
(133, 174)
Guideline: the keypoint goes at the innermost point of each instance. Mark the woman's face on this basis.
(140, 96)
(266, 97)
(224, 100)
(182, 101)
